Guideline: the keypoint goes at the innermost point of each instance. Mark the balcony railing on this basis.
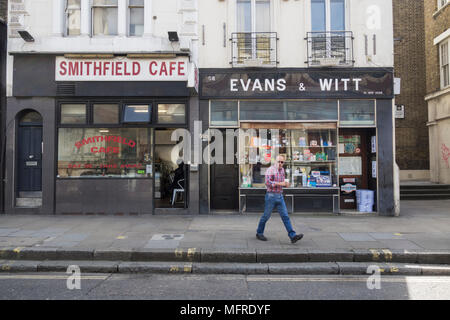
(330, 48)
(254, 49)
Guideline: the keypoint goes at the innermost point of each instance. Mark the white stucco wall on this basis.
(291, 19)
(44, 20)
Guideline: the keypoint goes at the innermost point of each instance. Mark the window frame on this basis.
(253, 17)
(172, 123)
(129, 17)
(328, 17)
(445, 43)
(66, 20)
(152, 125)
(105, 6)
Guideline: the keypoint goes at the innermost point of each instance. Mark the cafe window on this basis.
(137, 113)
(136, 13)
(224, 113)
(357, 112)
(104, 152)
(106, 113)
(73, 17)
(105, 17)
(171, 113)
(73, 114)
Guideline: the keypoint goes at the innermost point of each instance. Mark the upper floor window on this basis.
(253, 15)
(328, 15)
(442, 3)
(104, 17)
(73, 17)
(136, 8)
(444, 64)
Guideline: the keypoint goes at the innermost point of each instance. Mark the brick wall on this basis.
(434, 26)
(412, 152)
(4, 10)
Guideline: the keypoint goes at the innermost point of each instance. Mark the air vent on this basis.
(65, 89)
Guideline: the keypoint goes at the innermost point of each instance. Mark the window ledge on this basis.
(439, 11)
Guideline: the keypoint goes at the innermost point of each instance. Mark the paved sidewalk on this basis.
(423, 225)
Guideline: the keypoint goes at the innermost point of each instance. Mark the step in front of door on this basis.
(28, 202)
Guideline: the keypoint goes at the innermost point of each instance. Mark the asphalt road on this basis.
(48, 286)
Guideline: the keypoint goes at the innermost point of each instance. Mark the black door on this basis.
(224, 187)
(225, 183)
(30, 159)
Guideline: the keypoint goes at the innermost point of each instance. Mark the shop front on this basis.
(93, 135)
(334, 128)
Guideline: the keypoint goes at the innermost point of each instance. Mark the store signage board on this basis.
(121, 69)
(304, 83)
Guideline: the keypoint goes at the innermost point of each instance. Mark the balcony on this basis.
(330, 49)
(254, 49)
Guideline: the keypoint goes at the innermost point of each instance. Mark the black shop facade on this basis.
(92, 134)
(333, 126)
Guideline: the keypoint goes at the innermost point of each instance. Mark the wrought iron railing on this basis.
(254, 49)
(330, 48)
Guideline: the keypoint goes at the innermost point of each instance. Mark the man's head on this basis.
(280, 161)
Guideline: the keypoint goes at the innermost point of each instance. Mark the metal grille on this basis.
(254, 49)
(330, 48)
(65, 89)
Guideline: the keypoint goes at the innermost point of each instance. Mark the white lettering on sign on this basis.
(327, 84)
(272, 85)
(123, 69)
(257, 85)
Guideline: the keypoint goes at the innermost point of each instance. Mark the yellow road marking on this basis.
(121, 237)
(375, 254)
(356, 279)
(178, 253)
(387, 254)
(191, 253)
(188, 268)
(18, 249)
(174, 269)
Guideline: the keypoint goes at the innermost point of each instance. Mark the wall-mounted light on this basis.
(26, 36)
(173, 36)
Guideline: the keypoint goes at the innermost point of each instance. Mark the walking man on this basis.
(274, 198)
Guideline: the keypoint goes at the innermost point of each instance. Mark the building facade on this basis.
(437, 46)
(101, 94)
(312, 80)
(95, 90)
(412, 151)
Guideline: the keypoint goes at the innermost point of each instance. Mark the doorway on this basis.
(357, 165)
(29, 160)
(225, 182)
(171, 175)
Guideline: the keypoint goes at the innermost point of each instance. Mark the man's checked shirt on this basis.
(274, 175)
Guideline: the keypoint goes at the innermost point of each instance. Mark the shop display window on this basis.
(357, 113)
(171, 113)
(73, 114)
(137, 113)
(104, 152)
(106, 113)
(311, 156)
(289, 110)
(224, 113)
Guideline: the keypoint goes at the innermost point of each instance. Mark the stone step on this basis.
(28, 202)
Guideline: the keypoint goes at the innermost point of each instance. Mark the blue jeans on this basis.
(273, 200)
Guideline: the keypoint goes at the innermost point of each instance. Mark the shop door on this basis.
(29, 159)
(225, 184)
(352, 165)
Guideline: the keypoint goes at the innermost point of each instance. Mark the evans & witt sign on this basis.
(298, 84)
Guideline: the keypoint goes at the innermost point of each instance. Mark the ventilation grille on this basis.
(65, 89)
